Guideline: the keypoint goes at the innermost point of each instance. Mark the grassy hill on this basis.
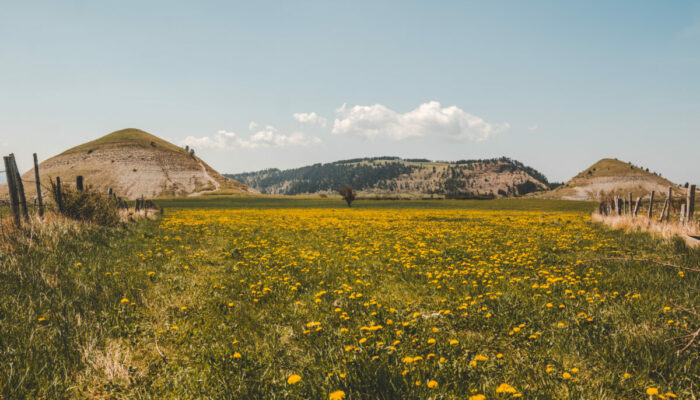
(134, 163)
(393, 176)
(609, 177)
(126, 137)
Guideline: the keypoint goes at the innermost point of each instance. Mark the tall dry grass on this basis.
(666, 230)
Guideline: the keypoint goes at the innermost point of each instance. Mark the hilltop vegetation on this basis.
(387, 176)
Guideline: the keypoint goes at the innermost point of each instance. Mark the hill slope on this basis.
(610, 177)
(134, 163)
(392, 176)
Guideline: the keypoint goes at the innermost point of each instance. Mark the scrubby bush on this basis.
(348, 194)
(87, 205)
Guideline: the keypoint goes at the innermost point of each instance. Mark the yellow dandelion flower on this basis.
(652, 391)
(432, 384)
(337, 395)
(566, 375)
(293, 378)
(505, 388)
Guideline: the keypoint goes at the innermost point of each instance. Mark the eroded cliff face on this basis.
(134, 171)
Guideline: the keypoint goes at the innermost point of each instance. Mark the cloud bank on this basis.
(310, 119)
(266, 137)
(429, 119)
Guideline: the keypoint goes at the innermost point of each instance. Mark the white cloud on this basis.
(252, 126)
(532, 128)
(267, 137)
(271, 137)
(311, 118)
(221, 140)
(429, 119)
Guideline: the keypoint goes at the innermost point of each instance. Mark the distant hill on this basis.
(134, 163)
(393, 176)
(609, 177)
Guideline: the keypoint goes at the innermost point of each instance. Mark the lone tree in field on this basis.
(348, 194)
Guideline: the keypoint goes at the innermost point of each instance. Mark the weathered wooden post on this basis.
(670, 203)
(651, 205)
(20, 189)
(690, 203)
(663, 210)
(681, 219)
(623, 210)
(79, 182)
(636, 205)
(59, 195)
(109, 192)
(38, 186)
(617, 206)
(629, 203)
(12, 191)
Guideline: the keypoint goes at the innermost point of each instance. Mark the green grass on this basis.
(233, 202)
(115, 326)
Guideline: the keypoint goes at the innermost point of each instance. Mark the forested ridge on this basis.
(498, 177)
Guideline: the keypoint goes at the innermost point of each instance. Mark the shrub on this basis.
(348, 194)
(87, 205)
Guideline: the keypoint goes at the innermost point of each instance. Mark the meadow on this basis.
(297, 299)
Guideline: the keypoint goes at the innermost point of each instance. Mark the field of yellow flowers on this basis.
(394, 304)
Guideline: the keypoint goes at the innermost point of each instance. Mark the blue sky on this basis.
(556, 85)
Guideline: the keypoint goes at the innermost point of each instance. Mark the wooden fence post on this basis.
(670, 203)
(636, 206)
(617, 205)
(690, 203)
(624, 206)
(12, 190)
(651, 205)
(79, 182)
(59, 195)
(681, 218)
(629, 205)
(20, 189)
(663, 210)
(38, 186)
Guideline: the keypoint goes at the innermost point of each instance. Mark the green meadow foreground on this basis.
(297, 299)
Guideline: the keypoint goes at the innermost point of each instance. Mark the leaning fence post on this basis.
(20, 189)
(38, 186)
(79, 182)
(651, 205)
(690, 203)
(59, 195)
(636, 205)
(670, 203)
(12, 190)
(663, 210)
